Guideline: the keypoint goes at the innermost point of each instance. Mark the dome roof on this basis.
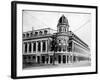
(63, 20)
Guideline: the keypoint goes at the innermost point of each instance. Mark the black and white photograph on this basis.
(54, 39)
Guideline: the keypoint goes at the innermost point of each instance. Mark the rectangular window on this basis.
(39, 46)
(34, 46)
(44, 46)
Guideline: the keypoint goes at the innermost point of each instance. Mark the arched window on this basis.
(27, 34)
(23, 35)
(29, 57)
(33, 57)
(64, 48)
(60, 20)
(45, 31)
(59, 29)
(59, 42)
(36, 33)
(59, 48)
(64, 42)
(31, 34)
(65, 29)
(40, 32)
(64, 59)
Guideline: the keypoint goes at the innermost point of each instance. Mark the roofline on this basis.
(40, 29)
(79, 38)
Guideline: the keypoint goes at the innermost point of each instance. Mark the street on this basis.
(40, 66)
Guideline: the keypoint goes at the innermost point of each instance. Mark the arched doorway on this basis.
(64, 59)
(67, 58)
(51, 59)
(74, 58)
(43, 59)
(59, 58)
(38, 59)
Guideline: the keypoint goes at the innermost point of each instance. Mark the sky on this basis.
(80, 23)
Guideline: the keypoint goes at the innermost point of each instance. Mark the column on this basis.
(68, 58)
(49, 59)
(41, 46)
(72, 59)
(76, 59)
(31, 47)
(36, 58)
(73, 45)
(46, 45)
(27, 47)
(57, 29)
(36, 46)
(23, 47)
(61, 59)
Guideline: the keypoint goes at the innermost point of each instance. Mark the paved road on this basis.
(40, 66)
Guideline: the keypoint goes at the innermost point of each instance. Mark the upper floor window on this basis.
(60, 29)
(45, 32)
(31, 34)
(36, 33)
(25, 47)
(44, 46)
(29, 47)
(23, 35)
(39, 46)
(34, 46)
(65, 29)
(27, 34)
(40, 32)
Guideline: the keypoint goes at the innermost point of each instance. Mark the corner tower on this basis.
(63, 25)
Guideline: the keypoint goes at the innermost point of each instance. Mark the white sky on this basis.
(80, 23)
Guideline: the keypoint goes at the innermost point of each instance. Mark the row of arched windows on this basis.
(62, 29)
(30, 34)
(62, 42)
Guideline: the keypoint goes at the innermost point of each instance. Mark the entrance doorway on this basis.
(43, 59)
(51, 59)
(64, 59)
(59, 59)
(38, 59)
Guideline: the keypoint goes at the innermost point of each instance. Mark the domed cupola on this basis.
(63, 25)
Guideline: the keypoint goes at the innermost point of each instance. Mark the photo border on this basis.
(14, 38)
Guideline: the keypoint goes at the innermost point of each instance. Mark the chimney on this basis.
(33, 30)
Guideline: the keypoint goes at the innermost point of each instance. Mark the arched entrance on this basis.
(67, 58)
(59, 58)
(38, 59)
(64, 59)
(43, 59)
(51, 59)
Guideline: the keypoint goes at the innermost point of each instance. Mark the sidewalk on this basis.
(40, 66)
